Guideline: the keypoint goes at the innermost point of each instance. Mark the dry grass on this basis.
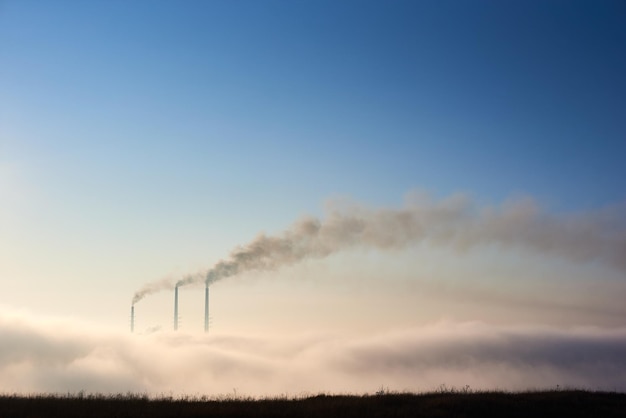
(443, 403)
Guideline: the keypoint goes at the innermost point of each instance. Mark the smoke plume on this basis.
(456, 222)
(166, 284)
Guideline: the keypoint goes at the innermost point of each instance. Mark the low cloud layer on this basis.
(41, 357)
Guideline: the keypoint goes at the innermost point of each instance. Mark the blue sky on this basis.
(146, 139)
(362, 98)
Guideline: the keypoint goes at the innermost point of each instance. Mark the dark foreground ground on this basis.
(484, 404)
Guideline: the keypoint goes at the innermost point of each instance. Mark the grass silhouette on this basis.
(442, 403)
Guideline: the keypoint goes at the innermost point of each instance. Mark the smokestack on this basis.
(176, 308)
(132, 318)
(206, 308)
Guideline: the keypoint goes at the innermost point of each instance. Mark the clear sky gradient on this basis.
(146, 139)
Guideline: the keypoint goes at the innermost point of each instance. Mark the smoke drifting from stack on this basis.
(166, 284)
(153, 287)
(455, 222)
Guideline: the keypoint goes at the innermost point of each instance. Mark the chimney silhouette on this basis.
(206, 308)
(176, 308)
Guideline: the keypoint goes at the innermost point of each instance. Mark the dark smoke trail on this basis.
(152, 287)
(455, 222)
(166, 284)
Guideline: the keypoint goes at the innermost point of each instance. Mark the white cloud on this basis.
(39, 356)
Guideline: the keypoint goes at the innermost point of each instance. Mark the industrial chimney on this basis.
(176, 308)
(132, 318)
(206, 308)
